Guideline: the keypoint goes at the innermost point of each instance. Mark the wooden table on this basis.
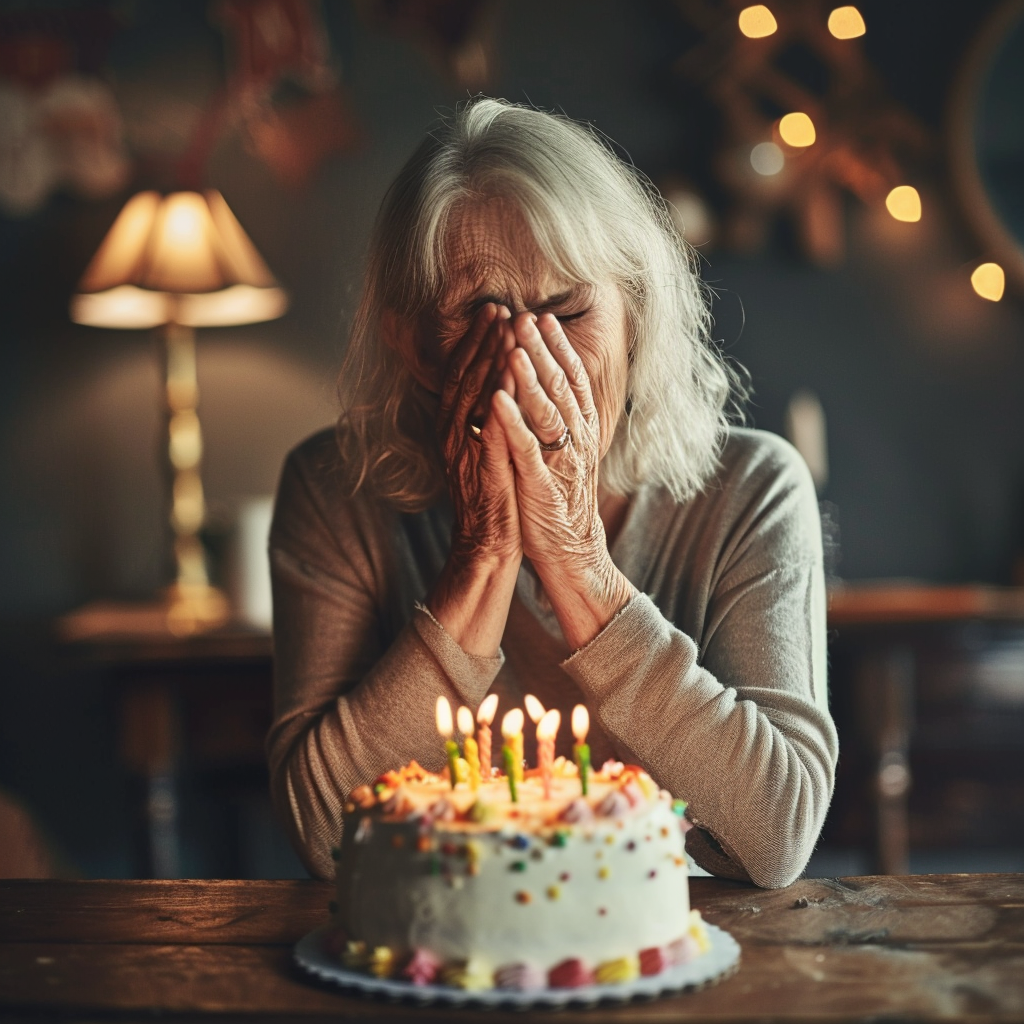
(886, 626)
(926, 947)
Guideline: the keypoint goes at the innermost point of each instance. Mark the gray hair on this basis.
(595, 218)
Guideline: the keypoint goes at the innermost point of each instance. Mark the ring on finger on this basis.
(556, 446)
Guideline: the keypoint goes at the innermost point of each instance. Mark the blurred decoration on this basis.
(457, 35)
(283, 89)
(249, 563)
(757, 22)
(807, 432)
(179, 262)
(846, 23)
(691, 215)
(904, 203)
(989, 281)
(804, 119)
(986, 142)
(61, 125)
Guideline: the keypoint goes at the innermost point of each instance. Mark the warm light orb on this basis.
(797, 130)
(485, 713)
(547, 729)
(904, 203)
(766, 158)
(534, 708)
(846, 23)
(580, 723)
(443, 717)
(464, 720)
(757, 22)
(989, 281)
(512, 723)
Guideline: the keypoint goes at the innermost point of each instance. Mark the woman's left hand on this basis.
(557, 490)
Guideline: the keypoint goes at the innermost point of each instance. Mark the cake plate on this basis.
(718, 962)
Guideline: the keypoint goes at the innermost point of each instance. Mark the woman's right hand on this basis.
(480, 477)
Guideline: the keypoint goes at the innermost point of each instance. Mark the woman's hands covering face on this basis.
(480, 474)
(556, 491)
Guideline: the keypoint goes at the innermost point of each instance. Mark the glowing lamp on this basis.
(178, 262)
(797, 130)
(846, 23)
(757, 22)
(989, 281)
(904, 203)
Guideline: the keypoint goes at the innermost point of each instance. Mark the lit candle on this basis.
(464, 719)
(512, 731)
(547, 730)
(534, 708)
(484, 717)
(443, 714)
(581, 752)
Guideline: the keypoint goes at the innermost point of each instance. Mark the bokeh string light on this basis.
(904, 204)
(989, 281)
(797, 130)
(757, 22)
(846, 23)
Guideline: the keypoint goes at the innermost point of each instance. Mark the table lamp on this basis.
(178, 262)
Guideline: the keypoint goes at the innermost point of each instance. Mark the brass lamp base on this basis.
(195, 608)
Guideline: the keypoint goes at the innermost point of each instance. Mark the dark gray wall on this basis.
(921, 382)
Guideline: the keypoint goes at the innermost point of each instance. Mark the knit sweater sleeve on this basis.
(736, 720)
(353, 696)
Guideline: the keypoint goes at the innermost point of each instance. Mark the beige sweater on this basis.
(713, 677)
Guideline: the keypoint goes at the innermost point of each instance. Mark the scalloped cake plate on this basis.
(720, 961)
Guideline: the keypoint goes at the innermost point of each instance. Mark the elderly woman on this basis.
(534, 488)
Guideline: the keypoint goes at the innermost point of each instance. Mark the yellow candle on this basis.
(464, 718)
(484, 717)
(547, 730)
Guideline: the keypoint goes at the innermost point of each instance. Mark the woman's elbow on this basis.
(791, 833)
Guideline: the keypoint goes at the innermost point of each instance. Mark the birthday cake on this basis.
(558, 876)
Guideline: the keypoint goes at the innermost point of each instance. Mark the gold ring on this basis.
(556, 446)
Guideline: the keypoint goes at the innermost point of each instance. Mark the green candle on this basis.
(509, 760)
(452, 749)
(581, 751)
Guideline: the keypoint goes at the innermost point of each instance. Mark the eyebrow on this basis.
(548, 303)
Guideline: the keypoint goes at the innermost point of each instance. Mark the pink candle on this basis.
(484, 717)
(547, 730)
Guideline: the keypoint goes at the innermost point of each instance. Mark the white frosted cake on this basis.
(461, 886)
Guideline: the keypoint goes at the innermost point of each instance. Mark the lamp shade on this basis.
(181, 258)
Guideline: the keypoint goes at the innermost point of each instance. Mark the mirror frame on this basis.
(997, 242)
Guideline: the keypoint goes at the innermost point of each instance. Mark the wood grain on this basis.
(941, 947)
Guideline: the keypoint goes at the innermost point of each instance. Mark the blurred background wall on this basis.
(921, 381)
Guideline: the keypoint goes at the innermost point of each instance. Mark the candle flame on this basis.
(534, 708)
(548, 727)
(464, 718)
(443, 716)
(580, 723)
(512, 723)
(485, 713)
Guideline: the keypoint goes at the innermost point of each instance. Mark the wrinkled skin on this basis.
(524, 353)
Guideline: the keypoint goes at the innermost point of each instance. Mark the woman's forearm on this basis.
(585, 597)
(471, 601)
(756, 762)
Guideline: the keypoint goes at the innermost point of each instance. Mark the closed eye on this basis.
(564, 318)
